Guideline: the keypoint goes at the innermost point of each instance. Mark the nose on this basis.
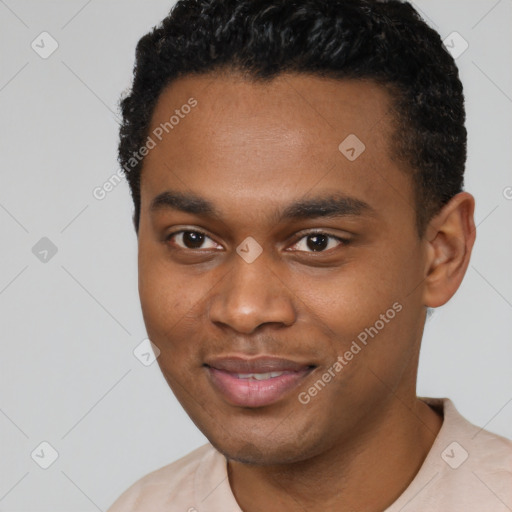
(252, 294)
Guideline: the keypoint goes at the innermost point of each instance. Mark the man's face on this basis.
(218, 315)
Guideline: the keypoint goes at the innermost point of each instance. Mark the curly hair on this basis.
(383, 41)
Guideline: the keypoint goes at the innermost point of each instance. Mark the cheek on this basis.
(366, 311)
(173, 302)
(163, 294)
(166, 292)
(344, 301)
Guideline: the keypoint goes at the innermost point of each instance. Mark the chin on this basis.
(262, 451)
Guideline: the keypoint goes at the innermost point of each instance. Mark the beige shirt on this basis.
(468, 469)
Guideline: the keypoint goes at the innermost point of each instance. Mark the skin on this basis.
(251, 149)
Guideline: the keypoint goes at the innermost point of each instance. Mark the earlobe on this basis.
(450, 237)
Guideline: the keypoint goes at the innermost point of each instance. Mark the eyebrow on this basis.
(333, 205)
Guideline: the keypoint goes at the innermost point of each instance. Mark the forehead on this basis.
(249, 144)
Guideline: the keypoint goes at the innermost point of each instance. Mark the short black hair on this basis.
(386, 42)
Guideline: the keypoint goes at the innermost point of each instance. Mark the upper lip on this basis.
(262, 364)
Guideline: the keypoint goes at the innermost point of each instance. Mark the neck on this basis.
(368, 472)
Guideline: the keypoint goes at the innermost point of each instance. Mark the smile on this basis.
(255, 382)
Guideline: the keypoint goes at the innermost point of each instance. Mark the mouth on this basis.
(255, 382)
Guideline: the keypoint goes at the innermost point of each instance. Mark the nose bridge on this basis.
(251, 295)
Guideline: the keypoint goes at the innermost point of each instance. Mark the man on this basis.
(297, 170)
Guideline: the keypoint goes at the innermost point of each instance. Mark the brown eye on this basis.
(319, 242)
(189, 239)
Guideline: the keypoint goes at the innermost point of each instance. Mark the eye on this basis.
(190, 239)
(319, 242)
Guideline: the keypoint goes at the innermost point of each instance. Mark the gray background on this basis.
(70, 324)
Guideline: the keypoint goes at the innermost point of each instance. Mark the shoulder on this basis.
(467, 469)
(488, 449)
(471, 468)
(170, 484)
(490, 459)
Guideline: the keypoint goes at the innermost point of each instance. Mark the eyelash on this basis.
(344, 241)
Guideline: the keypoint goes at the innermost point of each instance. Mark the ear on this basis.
(450, 236)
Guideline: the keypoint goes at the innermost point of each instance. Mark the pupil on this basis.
(319, 242)
(193, 239)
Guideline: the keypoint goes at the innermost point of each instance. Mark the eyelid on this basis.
(297, 237)
(181, 230)
(318, 231)
(168, 237)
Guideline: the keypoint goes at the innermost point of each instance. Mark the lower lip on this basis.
(255, 393)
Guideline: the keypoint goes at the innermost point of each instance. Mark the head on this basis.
(297, 173)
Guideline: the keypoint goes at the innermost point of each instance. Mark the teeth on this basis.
(259, 376)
